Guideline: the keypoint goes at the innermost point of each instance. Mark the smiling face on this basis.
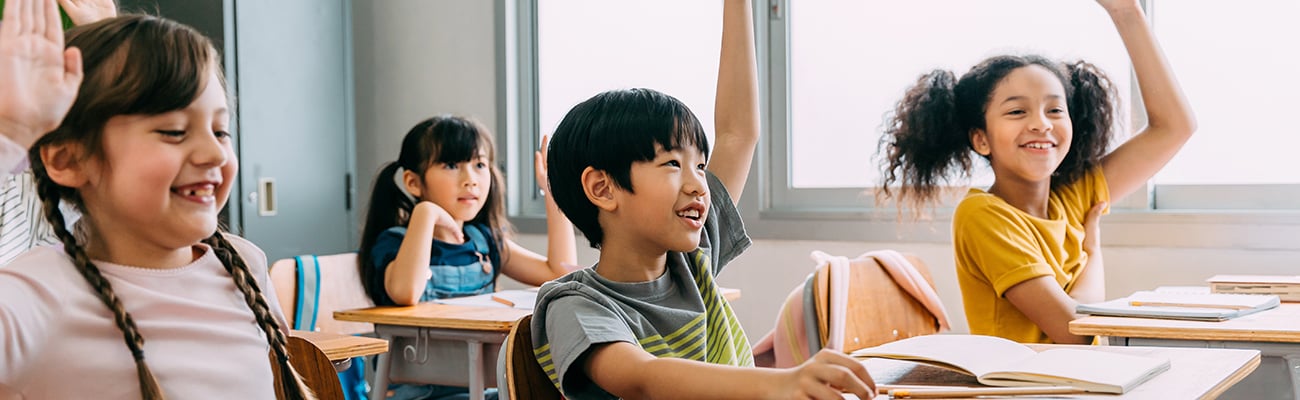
(161, 180)
(459, 188)
(670, 203)
(1027, 129)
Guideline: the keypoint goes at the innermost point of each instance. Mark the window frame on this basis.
(1169, 216)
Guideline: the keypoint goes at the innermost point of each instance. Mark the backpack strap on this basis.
(478, 238)
(308, 298)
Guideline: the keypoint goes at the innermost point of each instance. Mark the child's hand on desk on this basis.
(824, 377)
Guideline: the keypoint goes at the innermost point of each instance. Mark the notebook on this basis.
(1197, 307)
(1286, 287)
(996, 361)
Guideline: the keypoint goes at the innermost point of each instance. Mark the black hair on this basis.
(443, 139)
(609, 132)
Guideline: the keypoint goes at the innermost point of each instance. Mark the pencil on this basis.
(503, 300)
(1185, 305)
(938, 392)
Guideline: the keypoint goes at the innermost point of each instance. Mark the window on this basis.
(832, 69)
(1240, 79)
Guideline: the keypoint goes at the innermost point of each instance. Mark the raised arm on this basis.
(561, 245)
(1170, 118)
(736, 105)
(40, 77)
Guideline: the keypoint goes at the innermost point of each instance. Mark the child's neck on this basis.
(630, 261)
(1030, 197)
(122, 250)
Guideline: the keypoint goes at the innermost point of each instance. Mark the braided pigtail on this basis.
(51, 194)
(291, 383)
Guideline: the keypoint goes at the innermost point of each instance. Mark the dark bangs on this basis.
(637, 120)
(445, 140)
(156, 82)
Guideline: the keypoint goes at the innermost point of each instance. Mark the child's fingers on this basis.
(72, 68)
(837, 376)
(12, 19)
(1094, 214)
(52, 26)
(37, 11)
(858, 372)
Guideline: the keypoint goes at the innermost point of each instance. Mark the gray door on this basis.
(292, 79)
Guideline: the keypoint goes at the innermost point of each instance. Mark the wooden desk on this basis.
(339, 347)
(439, 344)
(1192, 374)
(459, 338)
(1275, 333)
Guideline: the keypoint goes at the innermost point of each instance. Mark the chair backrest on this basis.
(316, 369)
(879, 310)
(329, 283)
(524, 377)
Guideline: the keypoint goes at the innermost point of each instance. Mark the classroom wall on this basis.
(414, 59)
(418, 58)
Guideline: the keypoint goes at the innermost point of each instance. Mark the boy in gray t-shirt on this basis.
(627, 167)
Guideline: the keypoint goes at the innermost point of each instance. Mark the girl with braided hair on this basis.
(146, 288)
(1028, 248)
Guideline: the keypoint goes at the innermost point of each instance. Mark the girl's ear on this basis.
(413, 183)
(979, 140)
(64, 164)
(599, 188)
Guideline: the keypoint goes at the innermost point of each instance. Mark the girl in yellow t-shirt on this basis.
(1027, 249)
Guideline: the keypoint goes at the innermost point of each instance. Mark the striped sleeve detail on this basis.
(727, 343)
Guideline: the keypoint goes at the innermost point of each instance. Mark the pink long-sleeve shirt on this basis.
(58, 341)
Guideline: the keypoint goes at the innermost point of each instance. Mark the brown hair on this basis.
(143, 65)
(927, 144)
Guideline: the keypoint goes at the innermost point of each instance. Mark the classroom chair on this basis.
(519, 376)
(310, 288)
(849, 304)
(315, 368)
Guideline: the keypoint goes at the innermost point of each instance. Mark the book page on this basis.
(1091, 370)
(971, 354)
(521, 299)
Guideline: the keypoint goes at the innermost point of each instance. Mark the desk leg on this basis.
(1293, 367)
(379, 388)
(476, 385)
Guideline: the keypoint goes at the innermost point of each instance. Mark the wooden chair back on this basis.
(524, 377)
(340, 289)
(316, 369)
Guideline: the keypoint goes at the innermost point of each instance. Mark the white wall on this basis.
(419, 58)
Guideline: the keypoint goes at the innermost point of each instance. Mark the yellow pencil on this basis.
(503, 300)
(960, 392)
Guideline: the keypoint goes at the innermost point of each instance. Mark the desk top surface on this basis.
(340, 347)
(1281, 324)
(445, 316)
(1192, 374)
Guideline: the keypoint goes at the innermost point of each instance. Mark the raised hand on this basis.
(87, 11)
(38, 77)
(539, 164)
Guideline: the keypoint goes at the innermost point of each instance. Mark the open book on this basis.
(521, 299)
(996, 361)
(1286, 287)
(1198, 307)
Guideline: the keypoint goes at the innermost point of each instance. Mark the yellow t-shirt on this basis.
(998, 246)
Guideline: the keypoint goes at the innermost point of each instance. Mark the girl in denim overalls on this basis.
(436, 228)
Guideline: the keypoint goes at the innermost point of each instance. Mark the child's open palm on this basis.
(826, 376)
(87, 11)
(539, 164)
(39, 77)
